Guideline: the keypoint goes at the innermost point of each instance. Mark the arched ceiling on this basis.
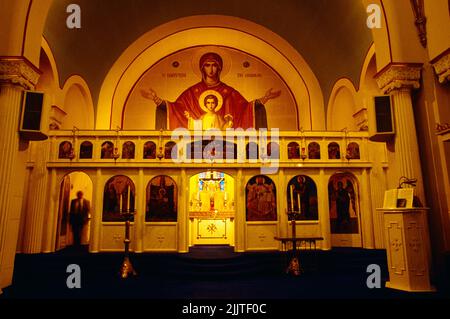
(332, 36)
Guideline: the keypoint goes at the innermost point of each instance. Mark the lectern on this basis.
(408, 250)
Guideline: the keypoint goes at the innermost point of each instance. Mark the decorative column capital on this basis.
(399, 76)
(441, 65)
(18, 71)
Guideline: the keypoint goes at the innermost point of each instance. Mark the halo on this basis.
(302, 178)
(226, 59)
(210, 92)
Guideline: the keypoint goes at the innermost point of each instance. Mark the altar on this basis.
(211, 209)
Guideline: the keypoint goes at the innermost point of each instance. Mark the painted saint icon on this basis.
(334, 151)
(118, 197)
(343, 204)
(211, 102)
(261, 199)
(65, 149)
(161, 200)
(302, 197)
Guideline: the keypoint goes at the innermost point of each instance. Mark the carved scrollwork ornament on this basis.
(18, 71)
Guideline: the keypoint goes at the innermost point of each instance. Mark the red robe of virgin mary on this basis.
(233, 103)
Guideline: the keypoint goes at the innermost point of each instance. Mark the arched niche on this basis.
(86, 150)
(118, 196)
(161, 200)
(107, 150)
(273, 150)
(212, 30)
(302, 190)
(293, 150)
(368, 84)
(252, 151)
(353, 151)
(170, 150)
(77, 104)
(342, 107)
(313, 150)
(70, 185)
(343, 196)
(48, 83)
(334, 151)
(149, 150)
(65, 150)
(210, 191)
(248, 75)
(128, 150)
(48, 80)
(261, 200)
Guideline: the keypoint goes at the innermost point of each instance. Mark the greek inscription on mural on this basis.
(253, 75)
(249, 75)
(175, 75)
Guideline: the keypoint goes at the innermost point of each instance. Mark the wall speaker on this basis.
(384, 119)
(31, 121)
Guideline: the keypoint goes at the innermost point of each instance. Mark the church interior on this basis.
(258, 143)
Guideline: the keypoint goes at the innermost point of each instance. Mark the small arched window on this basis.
(261, 199)
(161, 200)
(252, 151)
(334, 151)
(86, 149)
(107, 150)
(273, 150)
(118, 197)
(128, 150)
(353, 151)
(65, 150)
(301, 195)
(314, 150)
(293, 150)
(170, 147)
(149, 150)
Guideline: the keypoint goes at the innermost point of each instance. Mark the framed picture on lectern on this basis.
(399, 198)
(401, 202)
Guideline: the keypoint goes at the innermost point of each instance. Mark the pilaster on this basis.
(240, 218)
(324, 211)
(399, 80)
(35, 213)
(16, 74)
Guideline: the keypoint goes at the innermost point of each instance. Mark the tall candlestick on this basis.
(292, 198)
(129, 199)
(120, 203)
(299, 204)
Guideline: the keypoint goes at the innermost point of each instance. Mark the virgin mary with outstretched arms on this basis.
(235, 105)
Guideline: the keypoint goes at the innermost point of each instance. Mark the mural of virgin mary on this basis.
(234, 104)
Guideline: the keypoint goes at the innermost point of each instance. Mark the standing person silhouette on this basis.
(342, 204)
(79, 215)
